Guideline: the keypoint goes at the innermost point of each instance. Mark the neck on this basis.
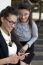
(5, 30)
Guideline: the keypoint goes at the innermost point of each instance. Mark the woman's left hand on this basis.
(24, 48)
(21, 55)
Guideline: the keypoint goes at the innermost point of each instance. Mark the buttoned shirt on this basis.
(11, 49)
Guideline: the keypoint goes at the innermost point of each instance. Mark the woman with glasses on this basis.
(9, 45)
(27, 31)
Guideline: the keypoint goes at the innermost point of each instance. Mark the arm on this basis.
(15, 38)
(11, 59)
(4, 61)
(33, 39)
(34, 34)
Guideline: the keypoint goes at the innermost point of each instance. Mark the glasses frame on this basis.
(10, 21)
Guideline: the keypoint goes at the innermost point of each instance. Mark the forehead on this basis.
(12, 17)
(23, 11)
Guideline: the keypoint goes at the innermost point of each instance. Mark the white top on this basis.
(13, 48)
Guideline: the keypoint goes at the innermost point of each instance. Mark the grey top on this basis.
(26, 33)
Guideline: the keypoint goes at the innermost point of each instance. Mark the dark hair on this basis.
(24, 5)
(8, 10)
(28, 6)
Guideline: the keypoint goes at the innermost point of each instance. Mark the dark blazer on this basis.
(3, 45)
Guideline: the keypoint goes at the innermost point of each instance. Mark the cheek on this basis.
(26, 18)
(5, 24)
(20, 17)
(8, 26)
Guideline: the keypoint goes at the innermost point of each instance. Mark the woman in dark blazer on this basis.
(9, 45)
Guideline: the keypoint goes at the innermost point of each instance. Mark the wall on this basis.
(4, 3)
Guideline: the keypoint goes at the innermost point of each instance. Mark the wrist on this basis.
(8, 60)
(4, 61)
(28, 45)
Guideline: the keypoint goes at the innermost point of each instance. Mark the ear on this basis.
(2, 19)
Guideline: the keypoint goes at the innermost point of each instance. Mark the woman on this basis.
(27, 31)
(9, 46)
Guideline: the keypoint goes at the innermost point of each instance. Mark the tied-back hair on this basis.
(28, 6)
(7, 11)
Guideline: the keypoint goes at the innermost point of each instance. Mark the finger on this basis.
(22, 51)
(22, 57)
(20, 54)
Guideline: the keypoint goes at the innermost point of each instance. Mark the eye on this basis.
(26, 14)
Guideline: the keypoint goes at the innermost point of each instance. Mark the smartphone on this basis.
(26, 53)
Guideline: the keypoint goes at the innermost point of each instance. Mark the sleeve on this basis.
(1, 54)
(15, 38)
(34, 34)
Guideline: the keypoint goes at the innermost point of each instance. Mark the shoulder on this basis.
(34, 23)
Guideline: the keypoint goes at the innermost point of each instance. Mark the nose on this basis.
(23, 16)
(13, 26)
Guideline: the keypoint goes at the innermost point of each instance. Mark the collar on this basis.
(6, 37)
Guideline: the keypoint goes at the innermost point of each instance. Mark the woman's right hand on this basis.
(13, 59)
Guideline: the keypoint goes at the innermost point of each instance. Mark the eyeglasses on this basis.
(10, 21)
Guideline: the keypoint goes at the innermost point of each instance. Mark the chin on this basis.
(10, 31)
(24, 21)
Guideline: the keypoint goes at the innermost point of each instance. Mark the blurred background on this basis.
(37, 16)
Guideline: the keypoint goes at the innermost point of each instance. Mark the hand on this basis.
(14, 59)
(20, 53)
(21, 56)
(24, 48)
